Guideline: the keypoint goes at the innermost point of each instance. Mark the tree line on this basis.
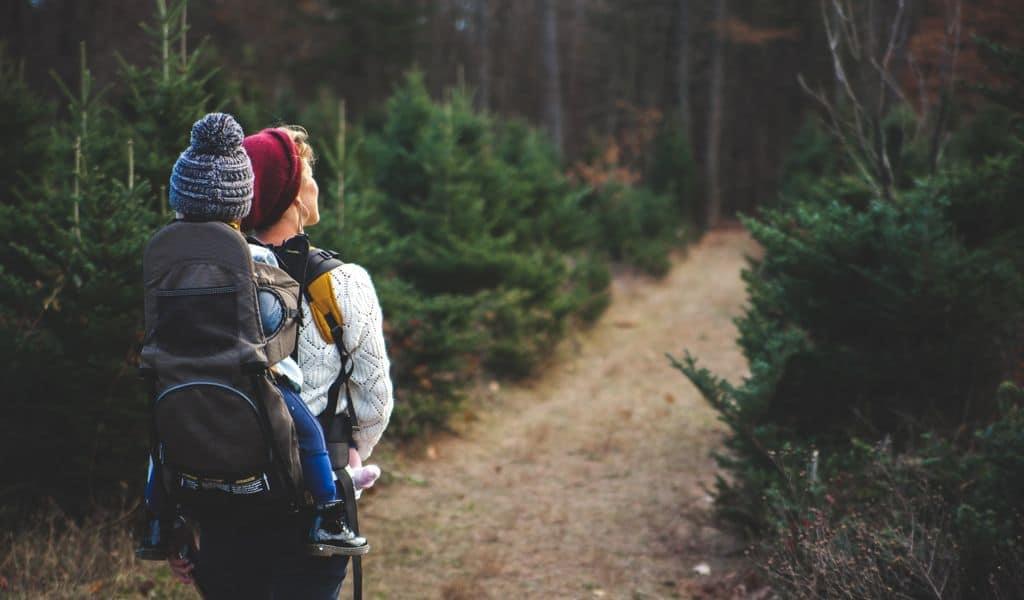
(596, 74)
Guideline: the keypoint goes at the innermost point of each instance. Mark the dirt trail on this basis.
(585, 483)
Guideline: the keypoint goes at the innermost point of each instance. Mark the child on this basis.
(212, 180)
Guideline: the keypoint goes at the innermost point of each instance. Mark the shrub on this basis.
(941, 521)
(813, 158)
(886, 320)
(637, 226)
(671, 170)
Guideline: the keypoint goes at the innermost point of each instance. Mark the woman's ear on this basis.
(301, 212)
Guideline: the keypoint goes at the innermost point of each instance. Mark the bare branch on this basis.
(867, 86)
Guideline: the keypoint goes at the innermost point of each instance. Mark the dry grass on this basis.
(54, 556)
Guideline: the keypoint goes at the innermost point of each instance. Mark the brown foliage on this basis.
(621, 157)
(934, 48)
(739, 31)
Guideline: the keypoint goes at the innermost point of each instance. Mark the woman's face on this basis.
(309, 208)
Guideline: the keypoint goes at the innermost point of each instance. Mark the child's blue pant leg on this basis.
(154, 490)
(316, 464)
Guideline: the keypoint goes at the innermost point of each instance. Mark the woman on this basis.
(237, 560)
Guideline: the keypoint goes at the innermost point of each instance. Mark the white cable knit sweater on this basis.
(364, 339)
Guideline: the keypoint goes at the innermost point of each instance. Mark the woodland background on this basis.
(493, 162)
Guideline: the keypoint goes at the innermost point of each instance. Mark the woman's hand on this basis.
(182, 569)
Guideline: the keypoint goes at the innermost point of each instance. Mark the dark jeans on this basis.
(257, 559)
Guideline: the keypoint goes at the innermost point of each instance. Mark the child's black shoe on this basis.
(331, 535)
(153, 545)
(162, 539)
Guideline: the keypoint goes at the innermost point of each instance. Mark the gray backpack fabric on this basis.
(222, 434)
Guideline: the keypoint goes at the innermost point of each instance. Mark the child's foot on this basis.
(365, 477)
(153, 545)
(330, 534)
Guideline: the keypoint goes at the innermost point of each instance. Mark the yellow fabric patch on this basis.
(322, 303)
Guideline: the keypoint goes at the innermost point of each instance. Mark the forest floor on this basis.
(588, 481)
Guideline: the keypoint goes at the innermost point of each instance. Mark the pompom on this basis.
(218, 134)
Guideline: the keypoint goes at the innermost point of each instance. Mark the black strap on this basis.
(320, 261)
(352, 515)
(291, 255)
(149, 375)
(347, 366)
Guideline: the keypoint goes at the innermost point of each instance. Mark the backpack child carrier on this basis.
(222, 435)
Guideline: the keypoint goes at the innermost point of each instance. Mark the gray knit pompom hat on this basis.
(212, 179)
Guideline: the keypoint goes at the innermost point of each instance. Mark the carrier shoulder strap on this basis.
(329, 320)
(319, 293)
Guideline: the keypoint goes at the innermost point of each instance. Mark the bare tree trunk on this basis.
(552, 83)
(713, 161)
(483, 79)
(436, 76)
(576, 95)
(683, 66)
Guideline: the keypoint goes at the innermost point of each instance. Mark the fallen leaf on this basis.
(669, 398)
(494, 387)
(95, 587)
(431, 453)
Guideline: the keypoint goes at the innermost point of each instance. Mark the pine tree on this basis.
(23, 117)
(163, 99)
(71, 305)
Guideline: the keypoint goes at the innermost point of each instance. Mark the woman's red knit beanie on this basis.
(278, 171)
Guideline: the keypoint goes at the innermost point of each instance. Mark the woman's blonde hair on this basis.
(300, 137)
